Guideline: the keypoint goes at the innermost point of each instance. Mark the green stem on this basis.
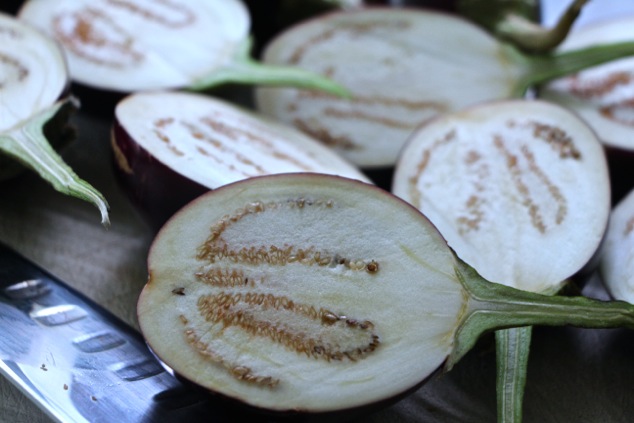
(530, 36)
(28, 144)
(491, 306)
(547, 67)
(245, 70)
(489, 14)
(512, 351)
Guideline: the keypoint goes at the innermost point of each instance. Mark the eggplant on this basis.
(170, 147)
(315, 295)
(403, 66)
(604, 96)
(35, 106)
(124, 46)
(616, 265)
(506, 176)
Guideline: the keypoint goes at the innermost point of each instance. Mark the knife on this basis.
(80, 363)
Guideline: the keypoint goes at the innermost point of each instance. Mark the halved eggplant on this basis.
(171, 147)
(617, 266)
(603, 96)
(35, 106)
(402, 66)
(309, 293)
(124, 46)
(521, 176)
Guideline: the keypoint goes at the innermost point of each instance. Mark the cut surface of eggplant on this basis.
(528, 177)
(34, 73)
(172, 146)
(402, 66)
(127, 46)
(318, 294)
(124, 46)
(35, 106)
(602, 95)
(617, 262)
(523, 176)
(308, 296)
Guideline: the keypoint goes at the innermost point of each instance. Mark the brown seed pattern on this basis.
(207, 129)
(629, 227)
(216, 249)
(325, 135)
(599, 88)
(92, 35)
(329, 337)
(421, 167)
(554, 136)
(534, 211)
(164, 12)
(354, 28)
(475, 203)
(239, 371)
(359, 107)
(519, 166)
(236, 295)
(621, 112)
(13, 67)
(356, 108)
(589, 88)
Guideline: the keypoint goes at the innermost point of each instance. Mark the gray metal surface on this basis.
(76, 360)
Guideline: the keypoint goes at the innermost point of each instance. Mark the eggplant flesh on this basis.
(34, 72)
(506, 175)
(171, 147)
(402, 66)
(125, 46)
(308, 298)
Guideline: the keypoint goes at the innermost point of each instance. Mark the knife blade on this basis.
(77, 361)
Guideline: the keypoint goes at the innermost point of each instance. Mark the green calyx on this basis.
(243, 69)
(542, 68)
(491, 306)
(516, 22)
(28, 144)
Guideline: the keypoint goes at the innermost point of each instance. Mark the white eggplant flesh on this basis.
(169, 143)
(313, 295)
(529, 178)
(34, 73)
(402, 66)
(126, 46)
(301, 293)
(603, 95)
(617, 258)
(35, 106)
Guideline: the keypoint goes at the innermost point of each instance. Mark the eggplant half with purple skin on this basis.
(617, 264)
(124, 46)
(402, 67)
(528, 178)
(34, 109)
(173, 146)
(317, 294)
(603, 96)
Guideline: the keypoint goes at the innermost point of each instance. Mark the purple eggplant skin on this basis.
(235, 409)
(145, 180)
